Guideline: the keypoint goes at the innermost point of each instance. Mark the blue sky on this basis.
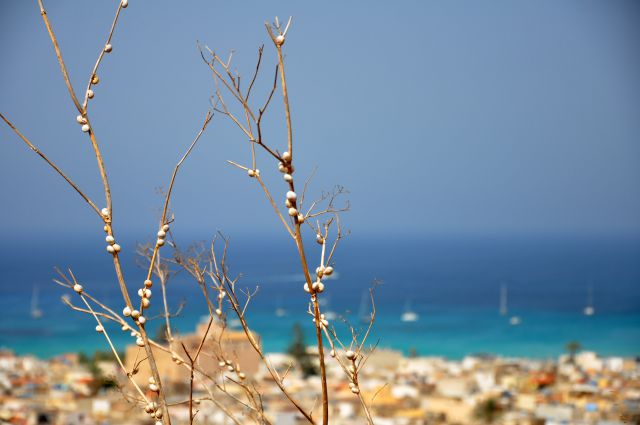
(450, 118)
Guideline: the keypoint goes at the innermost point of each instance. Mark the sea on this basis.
(507, 296)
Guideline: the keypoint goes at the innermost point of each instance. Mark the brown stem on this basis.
(54, 166)
(63, 67)
(286, 100)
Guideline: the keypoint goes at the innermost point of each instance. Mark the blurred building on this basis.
(221, 344)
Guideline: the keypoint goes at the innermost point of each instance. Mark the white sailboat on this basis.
(504, 309)
(329, 314)
(36, 313)
(409, 315)
(364, 314)
(280, 311)
(589, 310)
(503, 300)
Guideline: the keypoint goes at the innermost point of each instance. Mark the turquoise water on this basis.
(453, 285)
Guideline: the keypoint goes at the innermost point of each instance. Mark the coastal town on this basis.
(577, 388)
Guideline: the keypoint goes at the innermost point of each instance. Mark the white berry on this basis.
(78, 288)
(86, 128)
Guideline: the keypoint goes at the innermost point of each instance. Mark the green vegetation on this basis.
(487, 411)
(298, 349)
(572, 348)
(100, 380)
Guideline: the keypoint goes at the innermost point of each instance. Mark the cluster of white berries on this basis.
(323, 321)
(253, 173)
(152, 385)
(152, 407)
(145, 294)
(286, 167)
(221, 296)
(135, 315)
(112, 247)
(290, 203)
(318, 285)
(354, 387)
(228, 364)
(162, 233)
(352, 356)
(83, 122)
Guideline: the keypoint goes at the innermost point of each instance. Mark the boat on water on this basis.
(36, 312)
(280, 311)
(504, 309)
(503, 300)
(329, 314)
(364, 313)
(409, 315)
(589, 310)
